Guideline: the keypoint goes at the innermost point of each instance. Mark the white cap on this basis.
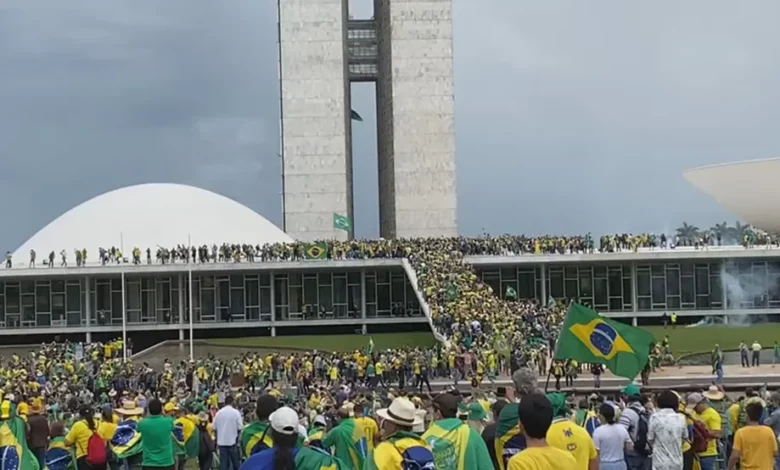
(284, 420)
(319, 419)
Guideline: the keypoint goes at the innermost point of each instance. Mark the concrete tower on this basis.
(406, 49)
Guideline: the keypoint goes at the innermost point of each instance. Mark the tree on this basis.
(688, 232)
(740, 230)
(721, 229)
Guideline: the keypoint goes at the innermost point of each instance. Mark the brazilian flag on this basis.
(317, 250)
(14, 453)
(59, 457)
(126, 442)
(588, 337)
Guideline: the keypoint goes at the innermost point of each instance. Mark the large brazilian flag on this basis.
(59, 457)
(14, 454)
(588, 337)
(127, 440)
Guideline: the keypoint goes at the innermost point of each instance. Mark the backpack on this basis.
(97, 453)
(640, 444)
(417, 458)
(700, 437)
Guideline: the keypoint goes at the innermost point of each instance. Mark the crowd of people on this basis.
(486, 245)
(87, 407)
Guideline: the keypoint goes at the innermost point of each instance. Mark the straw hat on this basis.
(714, 393)
(401, 411)
(129, 408)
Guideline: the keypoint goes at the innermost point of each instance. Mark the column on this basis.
(634, 302)
(543, 270)
(364, 327)
(181, 306)
(87, 307)
(723, 290)
(273, 304)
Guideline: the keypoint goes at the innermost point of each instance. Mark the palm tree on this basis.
(688, 232)
(721, 232)
(740, 230)
(720, 229)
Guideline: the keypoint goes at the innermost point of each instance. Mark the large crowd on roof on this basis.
(503, 245)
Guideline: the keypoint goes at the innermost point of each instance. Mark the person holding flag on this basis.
(588, 337)
(285, 453)
(14, 453)
(510, 436)
(347, 439)
(455, 445)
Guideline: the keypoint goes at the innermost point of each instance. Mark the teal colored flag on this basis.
(341, 222)
(588, 337)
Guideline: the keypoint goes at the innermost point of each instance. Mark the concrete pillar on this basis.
(89, 337)
(543, 271)
(724, 291)
(364, 327)
(181, 299)
(181, 334)
(725, 319)
(634, 321)
(634, 301)
(87, 305)
(273, 304)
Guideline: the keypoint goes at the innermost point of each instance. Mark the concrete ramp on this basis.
(423, 304)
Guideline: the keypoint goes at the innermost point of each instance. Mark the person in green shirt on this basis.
(348, 440)
(157, 444)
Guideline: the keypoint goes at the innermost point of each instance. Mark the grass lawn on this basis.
(702, 339)
(683, 340)
(332, 342)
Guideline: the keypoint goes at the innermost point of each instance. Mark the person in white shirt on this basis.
(666, 432)
(227, 427)
(611, 440)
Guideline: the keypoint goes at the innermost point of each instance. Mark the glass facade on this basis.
(679, 286)
(216, 298)
(606, 288)
(711, 285)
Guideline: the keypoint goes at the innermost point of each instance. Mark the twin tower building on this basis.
(406, 49)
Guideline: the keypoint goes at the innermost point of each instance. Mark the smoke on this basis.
(743, 290)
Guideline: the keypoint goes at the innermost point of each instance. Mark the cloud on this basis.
(571, 117)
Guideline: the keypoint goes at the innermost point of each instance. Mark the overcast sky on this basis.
(571, 116)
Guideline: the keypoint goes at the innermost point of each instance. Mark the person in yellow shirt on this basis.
(369, 426)
(755, 446)
(706, 414)
(80, 433)
(564, 434)
(333, 375)
(536, 415)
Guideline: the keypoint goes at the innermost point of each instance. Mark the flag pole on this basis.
(189, 280)
(124, 319)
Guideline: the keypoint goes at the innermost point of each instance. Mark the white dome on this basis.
(148, 216)
(748, 189)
